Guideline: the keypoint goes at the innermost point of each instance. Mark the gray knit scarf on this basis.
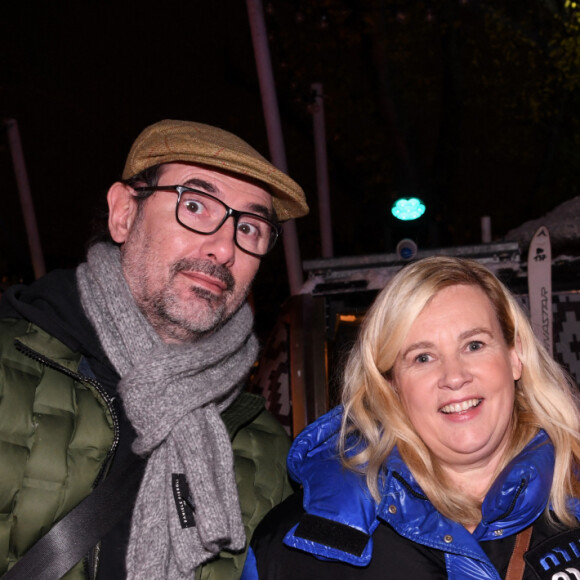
(173, 396)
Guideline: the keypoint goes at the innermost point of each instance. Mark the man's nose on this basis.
(220, 246)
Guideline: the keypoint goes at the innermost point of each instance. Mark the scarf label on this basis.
(557, 558)
(183, 500)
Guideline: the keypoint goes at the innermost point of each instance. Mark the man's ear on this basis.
(122, 211)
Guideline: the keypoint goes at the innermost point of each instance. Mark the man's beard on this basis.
(174, 320)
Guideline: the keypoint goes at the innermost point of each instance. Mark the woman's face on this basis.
(455, 376)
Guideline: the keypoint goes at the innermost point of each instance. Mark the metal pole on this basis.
(25, 198)
(486, 229)
(317, 110)
(274, 131)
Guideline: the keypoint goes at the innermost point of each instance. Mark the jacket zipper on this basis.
(92, 558)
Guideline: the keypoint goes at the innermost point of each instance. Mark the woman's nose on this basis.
(454, 373)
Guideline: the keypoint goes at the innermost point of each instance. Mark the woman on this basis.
(455, 452)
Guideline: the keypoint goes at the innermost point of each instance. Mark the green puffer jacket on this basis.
(58, 434)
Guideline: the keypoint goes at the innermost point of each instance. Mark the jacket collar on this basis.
(518, 496)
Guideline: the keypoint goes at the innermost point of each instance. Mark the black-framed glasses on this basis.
(205, 214)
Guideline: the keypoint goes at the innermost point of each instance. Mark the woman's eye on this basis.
(422, 358)
(475, 345)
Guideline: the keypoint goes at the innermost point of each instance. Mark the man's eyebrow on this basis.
(258, 208)
(197, 183)
(262, 210)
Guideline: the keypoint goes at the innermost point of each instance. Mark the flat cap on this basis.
(185, 141)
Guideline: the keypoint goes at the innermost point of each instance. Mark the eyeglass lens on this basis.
(205, 215)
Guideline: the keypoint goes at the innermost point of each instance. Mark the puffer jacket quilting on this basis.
(48, 407)
(260, 450)
(57, 431)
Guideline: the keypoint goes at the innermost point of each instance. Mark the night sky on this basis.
(438, 101)
(84, 78)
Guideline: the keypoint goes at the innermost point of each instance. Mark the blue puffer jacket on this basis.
(335, 496)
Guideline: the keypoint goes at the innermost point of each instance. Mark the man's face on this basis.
(185, 283)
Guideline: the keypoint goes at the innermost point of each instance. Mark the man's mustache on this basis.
(217, 271)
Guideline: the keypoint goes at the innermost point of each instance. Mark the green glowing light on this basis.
(408, 208)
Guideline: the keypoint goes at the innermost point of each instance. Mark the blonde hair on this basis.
(373, 413)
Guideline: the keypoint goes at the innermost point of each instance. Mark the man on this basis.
(143, 351)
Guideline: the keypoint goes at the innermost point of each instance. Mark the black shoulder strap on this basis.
(71, 538)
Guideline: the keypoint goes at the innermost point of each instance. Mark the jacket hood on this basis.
(53, 303)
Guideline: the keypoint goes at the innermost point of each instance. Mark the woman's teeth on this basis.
(459, 407)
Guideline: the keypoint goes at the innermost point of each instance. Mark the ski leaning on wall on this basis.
(540, 287)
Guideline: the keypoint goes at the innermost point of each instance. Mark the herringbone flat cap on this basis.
(171, 141)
